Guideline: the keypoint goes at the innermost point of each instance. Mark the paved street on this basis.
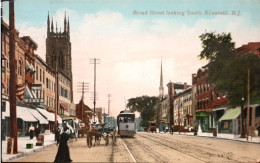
(151, 147)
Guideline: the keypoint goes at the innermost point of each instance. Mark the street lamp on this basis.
(242, 119)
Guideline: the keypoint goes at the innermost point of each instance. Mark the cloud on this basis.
(131, 50)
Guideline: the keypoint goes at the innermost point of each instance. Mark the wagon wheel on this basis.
(89, 140)
(107, 139)
(97, 139)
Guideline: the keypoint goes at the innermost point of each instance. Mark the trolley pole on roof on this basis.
(94, 61)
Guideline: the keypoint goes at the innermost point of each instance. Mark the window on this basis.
(47, 83)
(43, 94)
(43, 76)
(66, 93)
(20, 64)
(40, 74)
(36, 72)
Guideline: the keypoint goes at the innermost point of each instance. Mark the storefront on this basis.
(202, 119)
(229, 122)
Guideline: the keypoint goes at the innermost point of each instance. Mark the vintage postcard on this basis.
(130, 81)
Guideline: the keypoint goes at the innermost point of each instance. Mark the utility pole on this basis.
(13, 77)
(109, 95)
(94, 61)
(248, 102)
(83, 87)
(56, 97)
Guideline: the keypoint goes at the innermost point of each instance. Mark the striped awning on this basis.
(49, 116)
(63, 106)
(38, 116)
(25, 115)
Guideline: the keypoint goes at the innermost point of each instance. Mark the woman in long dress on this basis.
(63, 154)
(31, 130)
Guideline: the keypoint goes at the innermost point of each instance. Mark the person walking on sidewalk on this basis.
(31, 130)
(37, 131)
(63, 154)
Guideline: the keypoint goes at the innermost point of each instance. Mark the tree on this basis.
(145, 106)
(228, 70)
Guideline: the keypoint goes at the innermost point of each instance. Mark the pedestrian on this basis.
(57, 134)
(37, 132)
(63, 154)
(31, 131)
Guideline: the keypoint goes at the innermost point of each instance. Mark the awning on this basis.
(231, 114)
(29, 66)
(49, 116)
(28, 93)
(21, 112)
(38, 116)
(202, 114)
(24, 114)
(63, 106)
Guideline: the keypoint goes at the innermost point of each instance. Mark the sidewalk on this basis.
(22, 151)
(222, 136)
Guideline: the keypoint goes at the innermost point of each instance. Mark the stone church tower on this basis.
(58, 49)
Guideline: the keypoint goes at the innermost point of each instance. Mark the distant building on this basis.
(83, 112)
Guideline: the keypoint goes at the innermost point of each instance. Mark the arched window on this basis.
(19, 67)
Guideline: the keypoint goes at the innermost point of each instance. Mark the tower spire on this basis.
(161, 89)
(65, 23)
(68, 26)
(56, 27)
(48, 24)
(52, 25)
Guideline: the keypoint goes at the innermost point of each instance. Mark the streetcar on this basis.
(126, 123)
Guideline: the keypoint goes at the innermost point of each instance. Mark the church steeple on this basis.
(161, 89)
(68, 26)
(48, 24)
(65, 23)
(52, 25)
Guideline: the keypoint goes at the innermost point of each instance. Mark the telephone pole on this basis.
(109, 95)
(82, 87)
(13, 77)
(94, 61)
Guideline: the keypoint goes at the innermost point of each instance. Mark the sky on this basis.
(132, 45)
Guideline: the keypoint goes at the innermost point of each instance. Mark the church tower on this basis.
(58, 49)
(161, 89)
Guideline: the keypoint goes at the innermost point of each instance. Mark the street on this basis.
(155, 147)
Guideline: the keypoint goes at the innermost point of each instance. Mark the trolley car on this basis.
(126, 123)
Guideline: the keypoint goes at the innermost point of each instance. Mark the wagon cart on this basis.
(100, 131)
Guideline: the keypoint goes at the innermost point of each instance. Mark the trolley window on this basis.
(126, 118)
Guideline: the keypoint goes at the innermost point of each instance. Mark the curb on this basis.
(221, 138)
(27, 153)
